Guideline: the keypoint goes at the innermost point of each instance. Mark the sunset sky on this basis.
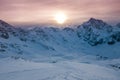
(42, 11)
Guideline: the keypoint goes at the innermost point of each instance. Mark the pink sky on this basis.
(42, 11)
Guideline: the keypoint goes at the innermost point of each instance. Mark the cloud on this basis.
(78, 10)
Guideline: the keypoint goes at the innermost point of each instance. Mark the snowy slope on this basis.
(90, 37)
(64, 70)
(90, 51)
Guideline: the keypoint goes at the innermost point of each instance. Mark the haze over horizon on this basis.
(42, 11)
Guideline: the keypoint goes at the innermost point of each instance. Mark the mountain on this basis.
(118, 25)
(90, 51)
(97, 32)
(64, 42)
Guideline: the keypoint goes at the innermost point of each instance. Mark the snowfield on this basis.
(11, 69)
(90, 51)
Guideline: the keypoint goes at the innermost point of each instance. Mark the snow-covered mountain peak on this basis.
(96, 32)
(3, 24)
(96, 24)
(95, 21)
(118, 25)
(6, 26)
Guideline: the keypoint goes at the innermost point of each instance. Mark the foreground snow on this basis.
(11, 69)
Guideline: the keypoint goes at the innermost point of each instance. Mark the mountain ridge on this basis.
(49, 40)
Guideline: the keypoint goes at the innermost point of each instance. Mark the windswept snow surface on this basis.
(11, 69)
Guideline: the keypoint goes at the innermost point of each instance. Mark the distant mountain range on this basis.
(47, 40)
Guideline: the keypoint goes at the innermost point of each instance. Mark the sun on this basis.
(60, 17)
